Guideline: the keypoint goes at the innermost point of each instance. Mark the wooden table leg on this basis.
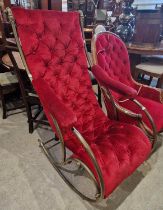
(134, 60)
(160, 82)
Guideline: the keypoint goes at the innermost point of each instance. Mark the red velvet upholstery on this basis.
(54, 51)
(112, 57)
(63, 114)
(112, 84)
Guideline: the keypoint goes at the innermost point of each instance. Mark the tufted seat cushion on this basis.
(112, 57)
(54, 50)
(118, 153)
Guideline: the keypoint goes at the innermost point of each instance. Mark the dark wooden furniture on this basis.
(8, 85)
(50, 4)
(12, 61)
(153, 68)
(42, 4)
(145, 49)
(8, 81)
(148, 26)
(136, 51)
(87, 7)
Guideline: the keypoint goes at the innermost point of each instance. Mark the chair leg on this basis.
(4, 110)
(150, 80)
(99, 96)
(160, 83)
(30, 121)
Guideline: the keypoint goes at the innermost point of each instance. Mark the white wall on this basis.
(148, 1)
(146, 4)
(64, 5)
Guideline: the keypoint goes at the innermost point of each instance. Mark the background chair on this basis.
(8, 81)
(108, 151)
(12, 61)
(112, 64)
(152, 66)
(8, 85)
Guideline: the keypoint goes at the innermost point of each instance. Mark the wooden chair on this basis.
(30, 98)
(153, 68)
(8, 85)
(13, 62)
(8, 79)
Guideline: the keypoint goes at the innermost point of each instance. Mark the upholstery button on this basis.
(66, 46)
(75, 58)
(46, 64)
(39, 36)
(61, 61)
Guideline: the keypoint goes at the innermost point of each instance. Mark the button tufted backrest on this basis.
(112, 56)
(54, 50)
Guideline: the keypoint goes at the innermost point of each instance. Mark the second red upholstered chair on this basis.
(122, 94)
(53, 48)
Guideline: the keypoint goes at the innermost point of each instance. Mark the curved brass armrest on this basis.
(154, 131)
(128, 112)
(149, 131)
(119, 108)
(93, 159)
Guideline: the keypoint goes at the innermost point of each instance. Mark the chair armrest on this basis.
(109, 83)
(53, 105)
(152, 93)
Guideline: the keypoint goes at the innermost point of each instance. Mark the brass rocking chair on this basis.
(52, 49)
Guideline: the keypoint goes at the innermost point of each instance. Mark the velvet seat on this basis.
(154, 108)
(56, 59)
(111, 65)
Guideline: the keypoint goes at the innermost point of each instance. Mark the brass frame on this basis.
(117, 108)
(59, 166)
(88, 58)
